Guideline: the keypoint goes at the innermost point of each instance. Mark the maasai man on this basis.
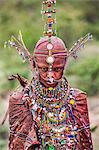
(47, 114)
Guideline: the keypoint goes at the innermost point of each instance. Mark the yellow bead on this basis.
(72, 101)
(66, 129)
(50, 88)
(57, 106)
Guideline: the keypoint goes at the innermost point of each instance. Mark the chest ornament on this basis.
(52, 111)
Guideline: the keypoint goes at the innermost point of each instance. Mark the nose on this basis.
(50, 76)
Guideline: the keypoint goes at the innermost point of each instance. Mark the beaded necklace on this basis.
(50, 94)
(53, 115)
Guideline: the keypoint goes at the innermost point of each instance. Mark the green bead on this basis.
(51, 147)
(39, 100)
(63, 142)
(49, 10)
(49, 40)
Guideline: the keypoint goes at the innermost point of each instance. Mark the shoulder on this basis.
(18, 108)
(23, 86)
(20, 92)
(80, 101)
(78, 91)
(79, 94)
(17, 93)
(16, 100)
(16, 96)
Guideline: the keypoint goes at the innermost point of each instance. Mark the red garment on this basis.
(23, 130)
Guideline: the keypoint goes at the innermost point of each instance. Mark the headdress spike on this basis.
(49, 11)
(79, 45)
(18, 43)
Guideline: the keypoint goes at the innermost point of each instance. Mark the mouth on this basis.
(51, 80)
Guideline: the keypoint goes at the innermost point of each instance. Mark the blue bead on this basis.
(71, 136)
(50, 24)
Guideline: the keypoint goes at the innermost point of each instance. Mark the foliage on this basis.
(87, 74)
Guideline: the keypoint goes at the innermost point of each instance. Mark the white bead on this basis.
(49, 15)
(49, 46)
(50, 60)
(50, 30)
(35, 107)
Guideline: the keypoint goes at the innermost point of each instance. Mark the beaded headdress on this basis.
(54, 46)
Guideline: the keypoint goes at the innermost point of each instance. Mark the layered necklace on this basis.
(52, 114)
(51, 95)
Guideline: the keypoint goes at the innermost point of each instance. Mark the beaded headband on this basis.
(49, 14)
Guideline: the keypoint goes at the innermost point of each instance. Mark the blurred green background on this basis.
(75, 18)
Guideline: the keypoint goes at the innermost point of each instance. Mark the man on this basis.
(47, 114)
(48, 111)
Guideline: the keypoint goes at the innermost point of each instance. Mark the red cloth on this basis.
(23, 135)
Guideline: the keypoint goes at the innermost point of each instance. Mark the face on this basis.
(50, 75)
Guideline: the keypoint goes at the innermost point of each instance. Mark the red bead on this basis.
(49, 5)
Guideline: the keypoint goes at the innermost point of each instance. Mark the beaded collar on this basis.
(51, 94)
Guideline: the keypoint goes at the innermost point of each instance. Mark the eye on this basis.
(44, 69)
(57, 69)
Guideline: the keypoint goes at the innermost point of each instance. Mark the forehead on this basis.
(41, 60)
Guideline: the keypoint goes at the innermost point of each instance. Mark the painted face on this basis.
(50, 75)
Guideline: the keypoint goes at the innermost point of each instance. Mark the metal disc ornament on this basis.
(49, 46)
(50, 60)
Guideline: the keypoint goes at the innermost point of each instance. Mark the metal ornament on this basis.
(50, 60)
(19, 44)
(79, 45)
(49, 46)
